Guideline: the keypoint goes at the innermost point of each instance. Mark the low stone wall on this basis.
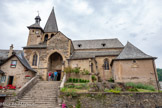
(111, 100)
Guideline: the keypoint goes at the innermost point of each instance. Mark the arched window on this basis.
(106, 64)
(52, 35)
(35, 58)
(46, 38)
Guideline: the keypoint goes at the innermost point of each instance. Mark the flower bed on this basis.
(8, 87)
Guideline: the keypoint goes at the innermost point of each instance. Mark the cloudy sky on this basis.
(137, 21)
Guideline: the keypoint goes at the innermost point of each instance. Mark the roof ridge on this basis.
(95, 39)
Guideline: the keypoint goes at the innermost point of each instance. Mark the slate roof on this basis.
(132, 52)
(97, 44)
(92, 54)
(39, 46)
(51, 25)
(24, 62)
(4, 53)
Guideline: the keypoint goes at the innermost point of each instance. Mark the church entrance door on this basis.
(55, 64)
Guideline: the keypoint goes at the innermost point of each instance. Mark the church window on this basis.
(79, 45)
(134, 61)
(52, 35)
(106, 64)
(91, 67)
(35, 57)
(46, 38)
(13, 63)
(103, 44)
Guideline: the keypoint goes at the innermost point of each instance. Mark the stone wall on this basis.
(138, 71)
(111, 100)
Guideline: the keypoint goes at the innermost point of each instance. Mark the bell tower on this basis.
(35, 32)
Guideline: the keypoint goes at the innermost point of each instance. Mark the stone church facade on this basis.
(49, 49)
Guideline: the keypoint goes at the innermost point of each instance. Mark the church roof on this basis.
(93, 54)
(97, 44)
(132, 52)
(39, 46)
(51, 25)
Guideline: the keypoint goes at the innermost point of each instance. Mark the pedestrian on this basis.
(55, 75)
(49, 76)
(64, 104)
(52, 76)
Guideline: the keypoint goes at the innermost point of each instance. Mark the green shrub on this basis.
(80, 80)
(111, 80)
(76, 80)
(64, 89)
(140, 86)
(76, 70)
(70, 80)
(93, 78)
(68, 69)
(85, 72)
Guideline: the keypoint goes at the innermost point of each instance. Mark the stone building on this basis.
(49, 49)
(15, 70)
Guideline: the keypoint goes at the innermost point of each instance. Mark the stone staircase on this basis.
(42, 95)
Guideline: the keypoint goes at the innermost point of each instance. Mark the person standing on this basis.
(55, 75)
(49, 76)
(52, 76)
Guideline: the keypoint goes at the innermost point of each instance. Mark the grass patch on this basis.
(143, 90)
(140, 86)
(116, 90)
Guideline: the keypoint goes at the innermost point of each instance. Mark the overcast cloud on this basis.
(137, 21)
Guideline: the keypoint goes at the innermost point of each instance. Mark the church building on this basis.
(49, 50)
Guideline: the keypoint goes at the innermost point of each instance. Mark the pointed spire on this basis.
(51, 25)
(132, 52)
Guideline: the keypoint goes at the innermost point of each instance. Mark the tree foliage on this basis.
(159, 71)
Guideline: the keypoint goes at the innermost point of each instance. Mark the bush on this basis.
(74, 80)
(85, 72)
(68, 69)
(76, 70)
(70, 80)
(140, 86)
(111, 80)
(93, 78)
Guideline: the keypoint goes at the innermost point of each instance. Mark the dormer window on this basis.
(103, 44)
(79, 45)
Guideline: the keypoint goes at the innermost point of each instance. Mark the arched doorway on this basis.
(55, 64)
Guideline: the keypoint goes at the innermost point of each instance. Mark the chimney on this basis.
(11, 50)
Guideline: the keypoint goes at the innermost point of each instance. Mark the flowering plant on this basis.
(27, 75)
(9, 87)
